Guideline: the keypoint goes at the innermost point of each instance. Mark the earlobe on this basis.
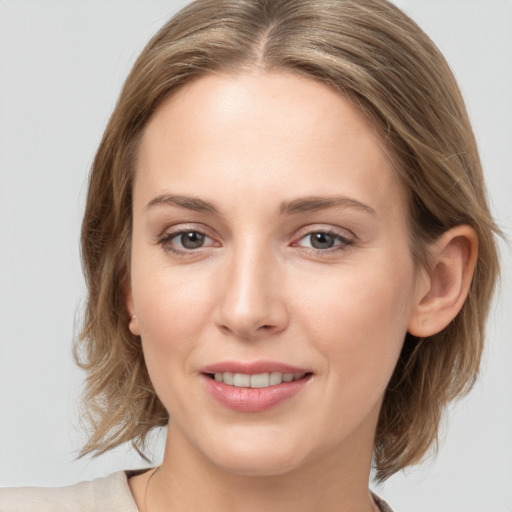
(133, 323)
(452, 264)
(134, 326)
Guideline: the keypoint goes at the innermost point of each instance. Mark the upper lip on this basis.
(252, 368)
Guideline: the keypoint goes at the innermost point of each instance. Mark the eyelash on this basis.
(343, 242)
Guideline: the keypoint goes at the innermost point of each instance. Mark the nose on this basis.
(252, 303)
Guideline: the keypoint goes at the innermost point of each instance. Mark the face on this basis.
(271, 276)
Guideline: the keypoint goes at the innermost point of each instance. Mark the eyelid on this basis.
(325, 228)
(186, 227)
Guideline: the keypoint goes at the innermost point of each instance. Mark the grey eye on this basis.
(322, 240)
(191, 240)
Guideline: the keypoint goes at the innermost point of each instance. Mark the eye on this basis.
(323, 241)
(190, 240)
(185, 241)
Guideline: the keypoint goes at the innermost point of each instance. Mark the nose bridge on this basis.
(251, 302)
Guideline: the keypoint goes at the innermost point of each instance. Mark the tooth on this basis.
(260, 380)
(242, 380)
(275, 378)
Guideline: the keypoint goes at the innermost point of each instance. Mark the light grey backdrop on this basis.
(61, 67)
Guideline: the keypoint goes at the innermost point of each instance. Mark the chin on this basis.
(258, 466)
(256, 459)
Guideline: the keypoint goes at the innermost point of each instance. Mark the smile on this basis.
(260, 380)
(253, 392)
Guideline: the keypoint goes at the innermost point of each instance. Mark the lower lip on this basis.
(253, 399)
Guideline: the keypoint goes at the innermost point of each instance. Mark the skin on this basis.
(253, 146)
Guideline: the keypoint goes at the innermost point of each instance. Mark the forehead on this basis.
(261, 131)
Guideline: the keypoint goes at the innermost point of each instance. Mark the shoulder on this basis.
(110, 493)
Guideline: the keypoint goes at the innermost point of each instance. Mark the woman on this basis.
(289, 258)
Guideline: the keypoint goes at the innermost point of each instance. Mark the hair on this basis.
(377, 57)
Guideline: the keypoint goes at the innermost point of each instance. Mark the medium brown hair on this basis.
(379, 59)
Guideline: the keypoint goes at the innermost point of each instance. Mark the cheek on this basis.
(359, 323)
(169, 301)
(171, 320)
(171, 311)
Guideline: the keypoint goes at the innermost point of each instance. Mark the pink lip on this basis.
(252, 368)
(252, 399)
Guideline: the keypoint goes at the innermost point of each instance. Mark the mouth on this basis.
(258, 380)
(254, 387)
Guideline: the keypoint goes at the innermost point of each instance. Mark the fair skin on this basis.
(269, 229)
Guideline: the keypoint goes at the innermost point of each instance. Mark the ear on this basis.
(452, 263)
(133, 323)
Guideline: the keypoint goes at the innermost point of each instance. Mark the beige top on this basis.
(108, 494)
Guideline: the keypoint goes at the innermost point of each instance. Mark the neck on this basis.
(332, 482)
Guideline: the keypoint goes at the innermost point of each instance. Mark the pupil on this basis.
(322, 240)
(192, 240)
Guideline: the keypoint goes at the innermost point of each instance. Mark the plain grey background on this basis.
(62, 63)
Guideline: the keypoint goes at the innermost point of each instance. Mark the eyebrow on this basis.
(307, 204)
(190, 203)
(301, 205)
